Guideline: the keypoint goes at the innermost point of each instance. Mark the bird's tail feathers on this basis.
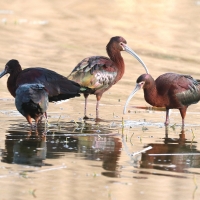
(86, 90)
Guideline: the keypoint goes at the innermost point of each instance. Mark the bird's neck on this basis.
(151, 96)
(11, 83)
(119, 62)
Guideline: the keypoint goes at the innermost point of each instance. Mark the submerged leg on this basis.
(85, 109)
(166, 131)
(29, 120)
(167, 117)
(46, 118)
(41, 117)
(37, 120)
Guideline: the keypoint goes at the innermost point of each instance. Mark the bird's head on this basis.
(143, 82)
(11, 66)
(117, 44)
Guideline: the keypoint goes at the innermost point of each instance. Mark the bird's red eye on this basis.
(142, 83)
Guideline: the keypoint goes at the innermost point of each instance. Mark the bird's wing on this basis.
(39, 95)
(58, 86)
(189, 91)
(34, 92)
(31, 93)
(165, 82)
(187, 81)
(94, 72)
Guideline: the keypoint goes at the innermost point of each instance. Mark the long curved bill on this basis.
(130, 51)
(4, 72)
(138, 87)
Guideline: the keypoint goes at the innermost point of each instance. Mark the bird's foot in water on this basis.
(97, 119)
(33, 126)
(86, 117)
(41, 118)
(44, 133)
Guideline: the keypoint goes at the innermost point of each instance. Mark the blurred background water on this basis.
(77, 159)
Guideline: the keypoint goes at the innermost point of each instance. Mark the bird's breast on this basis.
(105, 78)
(155, 99)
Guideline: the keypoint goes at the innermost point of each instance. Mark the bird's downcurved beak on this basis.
(130, 51)
(138, 87)
(4, 72)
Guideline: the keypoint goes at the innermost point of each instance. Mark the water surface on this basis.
(132, 156)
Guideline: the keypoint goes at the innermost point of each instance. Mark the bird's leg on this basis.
(166, 131)
(183, 113)
(97, 106)
(167, 117)
(46, 118)
(37, 120)
(45, 114)
(85, 109)
(41, 117)
(29, 120)
(97, 110)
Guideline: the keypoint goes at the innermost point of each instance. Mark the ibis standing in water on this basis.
(57, 86)
(31, 101)
(100, 73)
(169, 90)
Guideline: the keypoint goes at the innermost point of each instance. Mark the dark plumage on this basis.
(58, 86)
(100, 73)
(169, 90)
(31, 101)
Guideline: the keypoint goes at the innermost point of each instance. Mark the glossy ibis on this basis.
(31, 101)
(169, 90)
(100, 73)
(58, 86)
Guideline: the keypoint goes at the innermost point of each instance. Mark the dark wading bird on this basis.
(31, 101)
(57, 86)
(100, 73)
(169, 90)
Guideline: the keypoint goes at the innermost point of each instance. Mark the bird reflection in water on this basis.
(172, 155)
(24, 148)
(32, 148)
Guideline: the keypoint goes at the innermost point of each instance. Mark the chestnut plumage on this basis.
(100, 73)
(170, 90)
(58, 86)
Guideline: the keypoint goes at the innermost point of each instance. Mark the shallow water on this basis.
(114, 159)
(132, 156)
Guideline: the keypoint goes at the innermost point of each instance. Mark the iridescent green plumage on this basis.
(99, 73)
(94, 72)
